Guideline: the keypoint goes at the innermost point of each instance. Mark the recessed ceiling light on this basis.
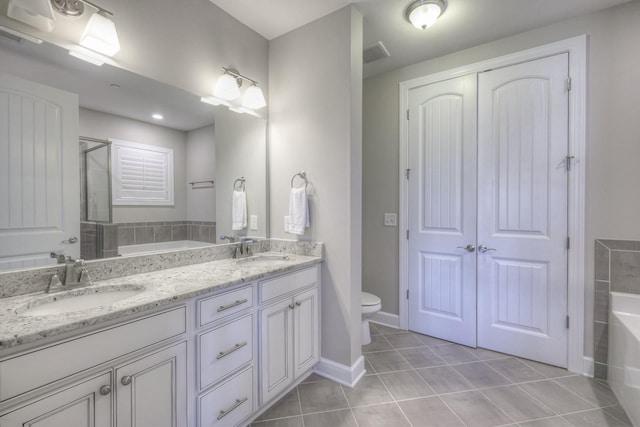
(158, 116)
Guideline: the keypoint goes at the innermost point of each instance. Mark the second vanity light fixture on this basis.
(424, 13)
(227, 89)
(100, 34)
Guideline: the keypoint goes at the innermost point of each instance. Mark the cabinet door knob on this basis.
(291, 306)
(298, 303)
(105, 390)
(126, 380)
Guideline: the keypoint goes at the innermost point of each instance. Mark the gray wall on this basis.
(315, 125)
(99, 125)
(241, 151)
(201, 158)
(612, 151)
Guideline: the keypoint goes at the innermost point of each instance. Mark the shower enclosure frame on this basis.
(104, 143)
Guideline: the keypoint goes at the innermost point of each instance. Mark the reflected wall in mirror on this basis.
(208, 144)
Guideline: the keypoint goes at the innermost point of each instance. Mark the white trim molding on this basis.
(339, 373)
(386, 319)
(576, 47)
(588, 369)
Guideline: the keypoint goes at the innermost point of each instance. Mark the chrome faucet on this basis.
(75, 275)
(244, 248)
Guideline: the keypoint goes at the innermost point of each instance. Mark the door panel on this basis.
(39, 173)
(522, 209)
(442, 189)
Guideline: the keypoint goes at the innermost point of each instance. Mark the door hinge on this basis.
(407, 293)
(568, 84)
(567, 322)
(568, 242)
(407, 172)
(407, 234)
(407, 114)
(568, 160)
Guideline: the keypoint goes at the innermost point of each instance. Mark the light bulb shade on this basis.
(36, 13)
(424, 13)
(226, 88)
(100, 35)
(253, 98)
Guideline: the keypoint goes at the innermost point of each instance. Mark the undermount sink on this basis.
(262, 260)
(77, 300)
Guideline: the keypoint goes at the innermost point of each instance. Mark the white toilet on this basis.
(371, 304)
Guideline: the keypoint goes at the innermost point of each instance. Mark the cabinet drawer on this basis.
(230, 403)
(225, 349)
(219, 306)
(40, 367)
(274, 288)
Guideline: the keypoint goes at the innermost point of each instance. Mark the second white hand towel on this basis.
(298, 211)
(239, 210)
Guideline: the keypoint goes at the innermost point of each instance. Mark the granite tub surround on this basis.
(617, 269)
(33, 280)
(160, 288)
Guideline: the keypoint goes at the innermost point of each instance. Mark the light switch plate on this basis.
(390, 220)
(253, 222)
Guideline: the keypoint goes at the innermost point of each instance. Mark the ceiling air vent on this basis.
(375, 52)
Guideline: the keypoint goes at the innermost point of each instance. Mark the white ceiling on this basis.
(466, 23)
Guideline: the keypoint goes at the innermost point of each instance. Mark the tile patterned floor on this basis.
(416, 380)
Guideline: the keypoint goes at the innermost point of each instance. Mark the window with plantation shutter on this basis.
(142, 174)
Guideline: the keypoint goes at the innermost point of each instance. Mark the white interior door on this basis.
(442, 210)
(39, 174)
(522, 209)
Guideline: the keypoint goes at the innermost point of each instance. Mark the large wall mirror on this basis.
(122, 159)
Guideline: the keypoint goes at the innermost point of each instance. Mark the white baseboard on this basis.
(588, 367)
(387, 319)
(339, 373)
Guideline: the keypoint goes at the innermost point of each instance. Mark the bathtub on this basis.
(156, 248)
(624, 352)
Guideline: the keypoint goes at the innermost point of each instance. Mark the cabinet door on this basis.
(276, 343)
(152, 391)
(87, 403)
(306, 331)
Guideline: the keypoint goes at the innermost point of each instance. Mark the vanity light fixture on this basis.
(424, 13)
(228, 88)
(100, 34)
(36, 13)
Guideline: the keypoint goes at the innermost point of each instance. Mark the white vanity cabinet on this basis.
(289, 329)
(77, 382)
(226, 348)
(86, 403)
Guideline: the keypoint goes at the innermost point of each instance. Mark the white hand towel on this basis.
(298, 211)
(239, 210)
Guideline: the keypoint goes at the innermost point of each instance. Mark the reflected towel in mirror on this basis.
(298, 218)
(239, 210)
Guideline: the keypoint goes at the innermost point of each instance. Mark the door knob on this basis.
(126, 380)
(105, 390)
(468, 248)
(483, 249)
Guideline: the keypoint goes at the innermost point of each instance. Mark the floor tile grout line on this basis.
(594, 409)
(451, 409)
(524, 391)
(300, 404)
(573, 392)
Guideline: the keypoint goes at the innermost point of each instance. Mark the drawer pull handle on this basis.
(126, 380)
(231, 350)
(226, 412)
(105, 390)
(227, 307)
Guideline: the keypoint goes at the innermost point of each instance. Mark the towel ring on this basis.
(301, 174)
(241, 181)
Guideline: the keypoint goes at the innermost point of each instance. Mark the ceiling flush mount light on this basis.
(100, 34)
(424, 13)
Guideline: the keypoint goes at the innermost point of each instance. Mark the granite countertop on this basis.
(161, 288)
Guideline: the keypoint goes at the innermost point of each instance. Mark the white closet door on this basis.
(522, 209)
(39, 174)
(442, 210)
